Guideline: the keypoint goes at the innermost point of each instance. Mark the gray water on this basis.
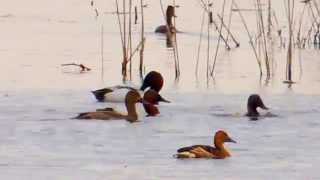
(39, 140)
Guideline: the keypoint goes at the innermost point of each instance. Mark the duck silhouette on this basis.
(164, 29)
(254, 101)
(206, 151)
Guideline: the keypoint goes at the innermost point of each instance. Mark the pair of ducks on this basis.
(151, 97)
(219, 151)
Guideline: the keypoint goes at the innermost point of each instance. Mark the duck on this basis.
(206, 151)
(170, 13)
(131, 99)
(153, 79)
(254, 101)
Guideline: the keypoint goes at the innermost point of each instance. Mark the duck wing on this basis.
(101, 115)
(190, 148)
(99, 94)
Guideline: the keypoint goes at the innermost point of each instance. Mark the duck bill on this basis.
(144, 86)
(231, 140)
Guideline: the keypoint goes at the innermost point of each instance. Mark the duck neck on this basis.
(252, 112)
(222, 149)
(132, 113)
(169, 21)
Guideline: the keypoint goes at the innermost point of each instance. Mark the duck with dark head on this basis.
(206, 151)
(164, 29)
(152, 80)
(254, 101)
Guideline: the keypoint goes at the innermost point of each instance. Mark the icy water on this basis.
(39, 140)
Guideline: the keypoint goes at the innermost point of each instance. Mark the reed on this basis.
(249, 35)
(142, 40)
(124, 51)
(219, 39)
(172, 34)
(102, 47)
(290, 13)
(130, 39)
(264, 40)
(200, 41)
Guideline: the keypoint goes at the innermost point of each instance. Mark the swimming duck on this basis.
(153, 79)
(205, 151)
(169, 15)
(254, 101)
(132, 98)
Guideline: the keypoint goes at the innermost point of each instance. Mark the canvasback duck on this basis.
(205, 151)
(132, 98)
(254, 101)
(153, 79)
(170, 13)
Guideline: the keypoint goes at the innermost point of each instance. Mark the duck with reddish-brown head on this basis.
(218, 151)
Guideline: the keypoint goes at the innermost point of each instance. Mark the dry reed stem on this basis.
(142, 41)
(200, 41)
(250, 37)
(219, 39)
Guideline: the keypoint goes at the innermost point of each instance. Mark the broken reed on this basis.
(207, 9)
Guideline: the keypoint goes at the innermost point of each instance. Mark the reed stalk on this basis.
(142, 41)
(227, 28)
(264, 39)
(250, 37)
(102, 48)
(200, 41)
(219, 39)
(129, 51)
(290, 13)
(208, 40)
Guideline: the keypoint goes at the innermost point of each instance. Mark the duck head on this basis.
(221, 137)
(154, 80)
(255, 101)
(153, 97)
(133, 97)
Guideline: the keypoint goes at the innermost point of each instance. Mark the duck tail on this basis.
(184, 155)
(99, 94)
(82, 116)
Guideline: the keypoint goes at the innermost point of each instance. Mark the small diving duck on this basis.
(153, 79)
(254, 101)
(132, 98)
(205, 151)
(169, 15)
